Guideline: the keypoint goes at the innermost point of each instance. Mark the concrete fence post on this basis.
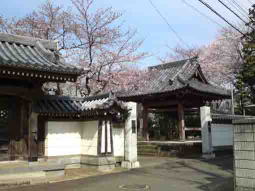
(130, 139)
(205, 117)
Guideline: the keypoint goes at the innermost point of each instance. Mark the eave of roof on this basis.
(70, 106)
(32, 56)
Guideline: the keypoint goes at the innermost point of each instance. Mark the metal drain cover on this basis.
(135, 187)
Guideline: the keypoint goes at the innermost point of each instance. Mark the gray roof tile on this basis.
(33, 54)
(70, 105)
(166, 78)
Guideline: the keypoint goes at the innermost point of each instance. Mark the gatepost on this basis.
(205, 117)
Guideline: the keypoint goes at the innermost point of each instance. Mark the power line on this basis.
(250, 1)
(241, 8)
(232, 11)
(201, 13)
(238, 9)
(219, 15)
(168, 24)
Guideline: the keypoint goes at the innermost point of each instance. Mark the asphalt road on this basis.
(160, 174)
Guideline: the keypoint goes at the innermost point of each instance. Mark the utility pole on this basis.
(232, 101)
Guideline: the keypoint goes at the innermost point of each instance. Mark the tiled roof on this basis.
(174, 76)
(207, 88)
(29, 53)
(62, 105)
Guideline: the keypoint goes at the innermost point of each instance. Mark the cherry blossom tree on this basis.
(106, 49)
(95, 39)
(220, 60)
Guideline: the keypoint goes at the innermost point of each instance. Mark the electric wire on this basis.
(232, 11)
(219, 15)
(168, 24)
(201, 13)
(237, 9)
(250, 1)
(245, 12)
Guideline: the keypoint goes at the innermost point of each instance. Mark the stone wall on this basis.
(244, 154)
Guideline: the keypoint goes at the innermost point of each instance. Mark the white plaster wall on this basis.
(118, 141)
(89, 138)
(71, 138)
(63, 138)
(222, 135)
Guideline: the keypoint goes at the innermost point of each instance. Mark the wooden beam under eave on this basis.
(160, 103)
(181, 122)
(25, 93)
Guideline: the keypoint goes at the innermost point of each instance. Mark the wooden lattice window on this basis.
(3, 114)
(4, 111)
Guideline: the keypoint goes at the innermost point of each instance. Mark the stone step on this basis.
(144, 143)
(147, 145)
(147, 154)
(147, 150)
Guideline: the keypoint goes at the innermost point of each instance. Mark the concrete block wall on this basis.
(244, 154)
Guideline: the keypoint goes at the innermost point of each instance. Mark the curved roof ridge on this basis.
(29, 41)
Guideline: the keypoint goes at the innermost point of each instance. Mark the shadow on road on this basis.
(215, 174)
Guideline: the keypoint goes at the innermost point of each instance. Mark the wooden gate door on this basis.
(4, 130)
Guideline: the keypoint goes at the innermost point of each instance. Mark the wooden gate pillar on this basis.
(145, 123)
(32, 134)
(181, 122)
(41, 137)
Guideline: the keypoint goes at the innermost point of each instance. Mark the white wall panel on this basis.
(222, 135)
(63, 138)
(89, 138)
(118, 141)
(71, 138)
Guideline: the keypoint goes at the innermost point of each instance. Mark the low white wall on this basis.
(222, 135)
(89, 138)
(118, 142)
(71, 138)
(63, 138)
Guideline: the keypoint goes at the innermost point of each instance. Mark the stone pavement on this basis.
(160, 174)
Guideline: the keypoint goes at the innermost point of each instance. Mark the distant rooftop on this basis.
(176, 76)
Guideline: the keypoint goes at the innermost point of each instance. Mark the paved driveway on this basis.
(161, 174)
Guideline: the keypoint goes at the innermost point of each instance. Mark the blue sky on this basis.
(195, 29)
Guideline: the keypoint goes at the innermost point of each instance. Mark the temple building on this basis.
(97, 131)
(175, 87)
